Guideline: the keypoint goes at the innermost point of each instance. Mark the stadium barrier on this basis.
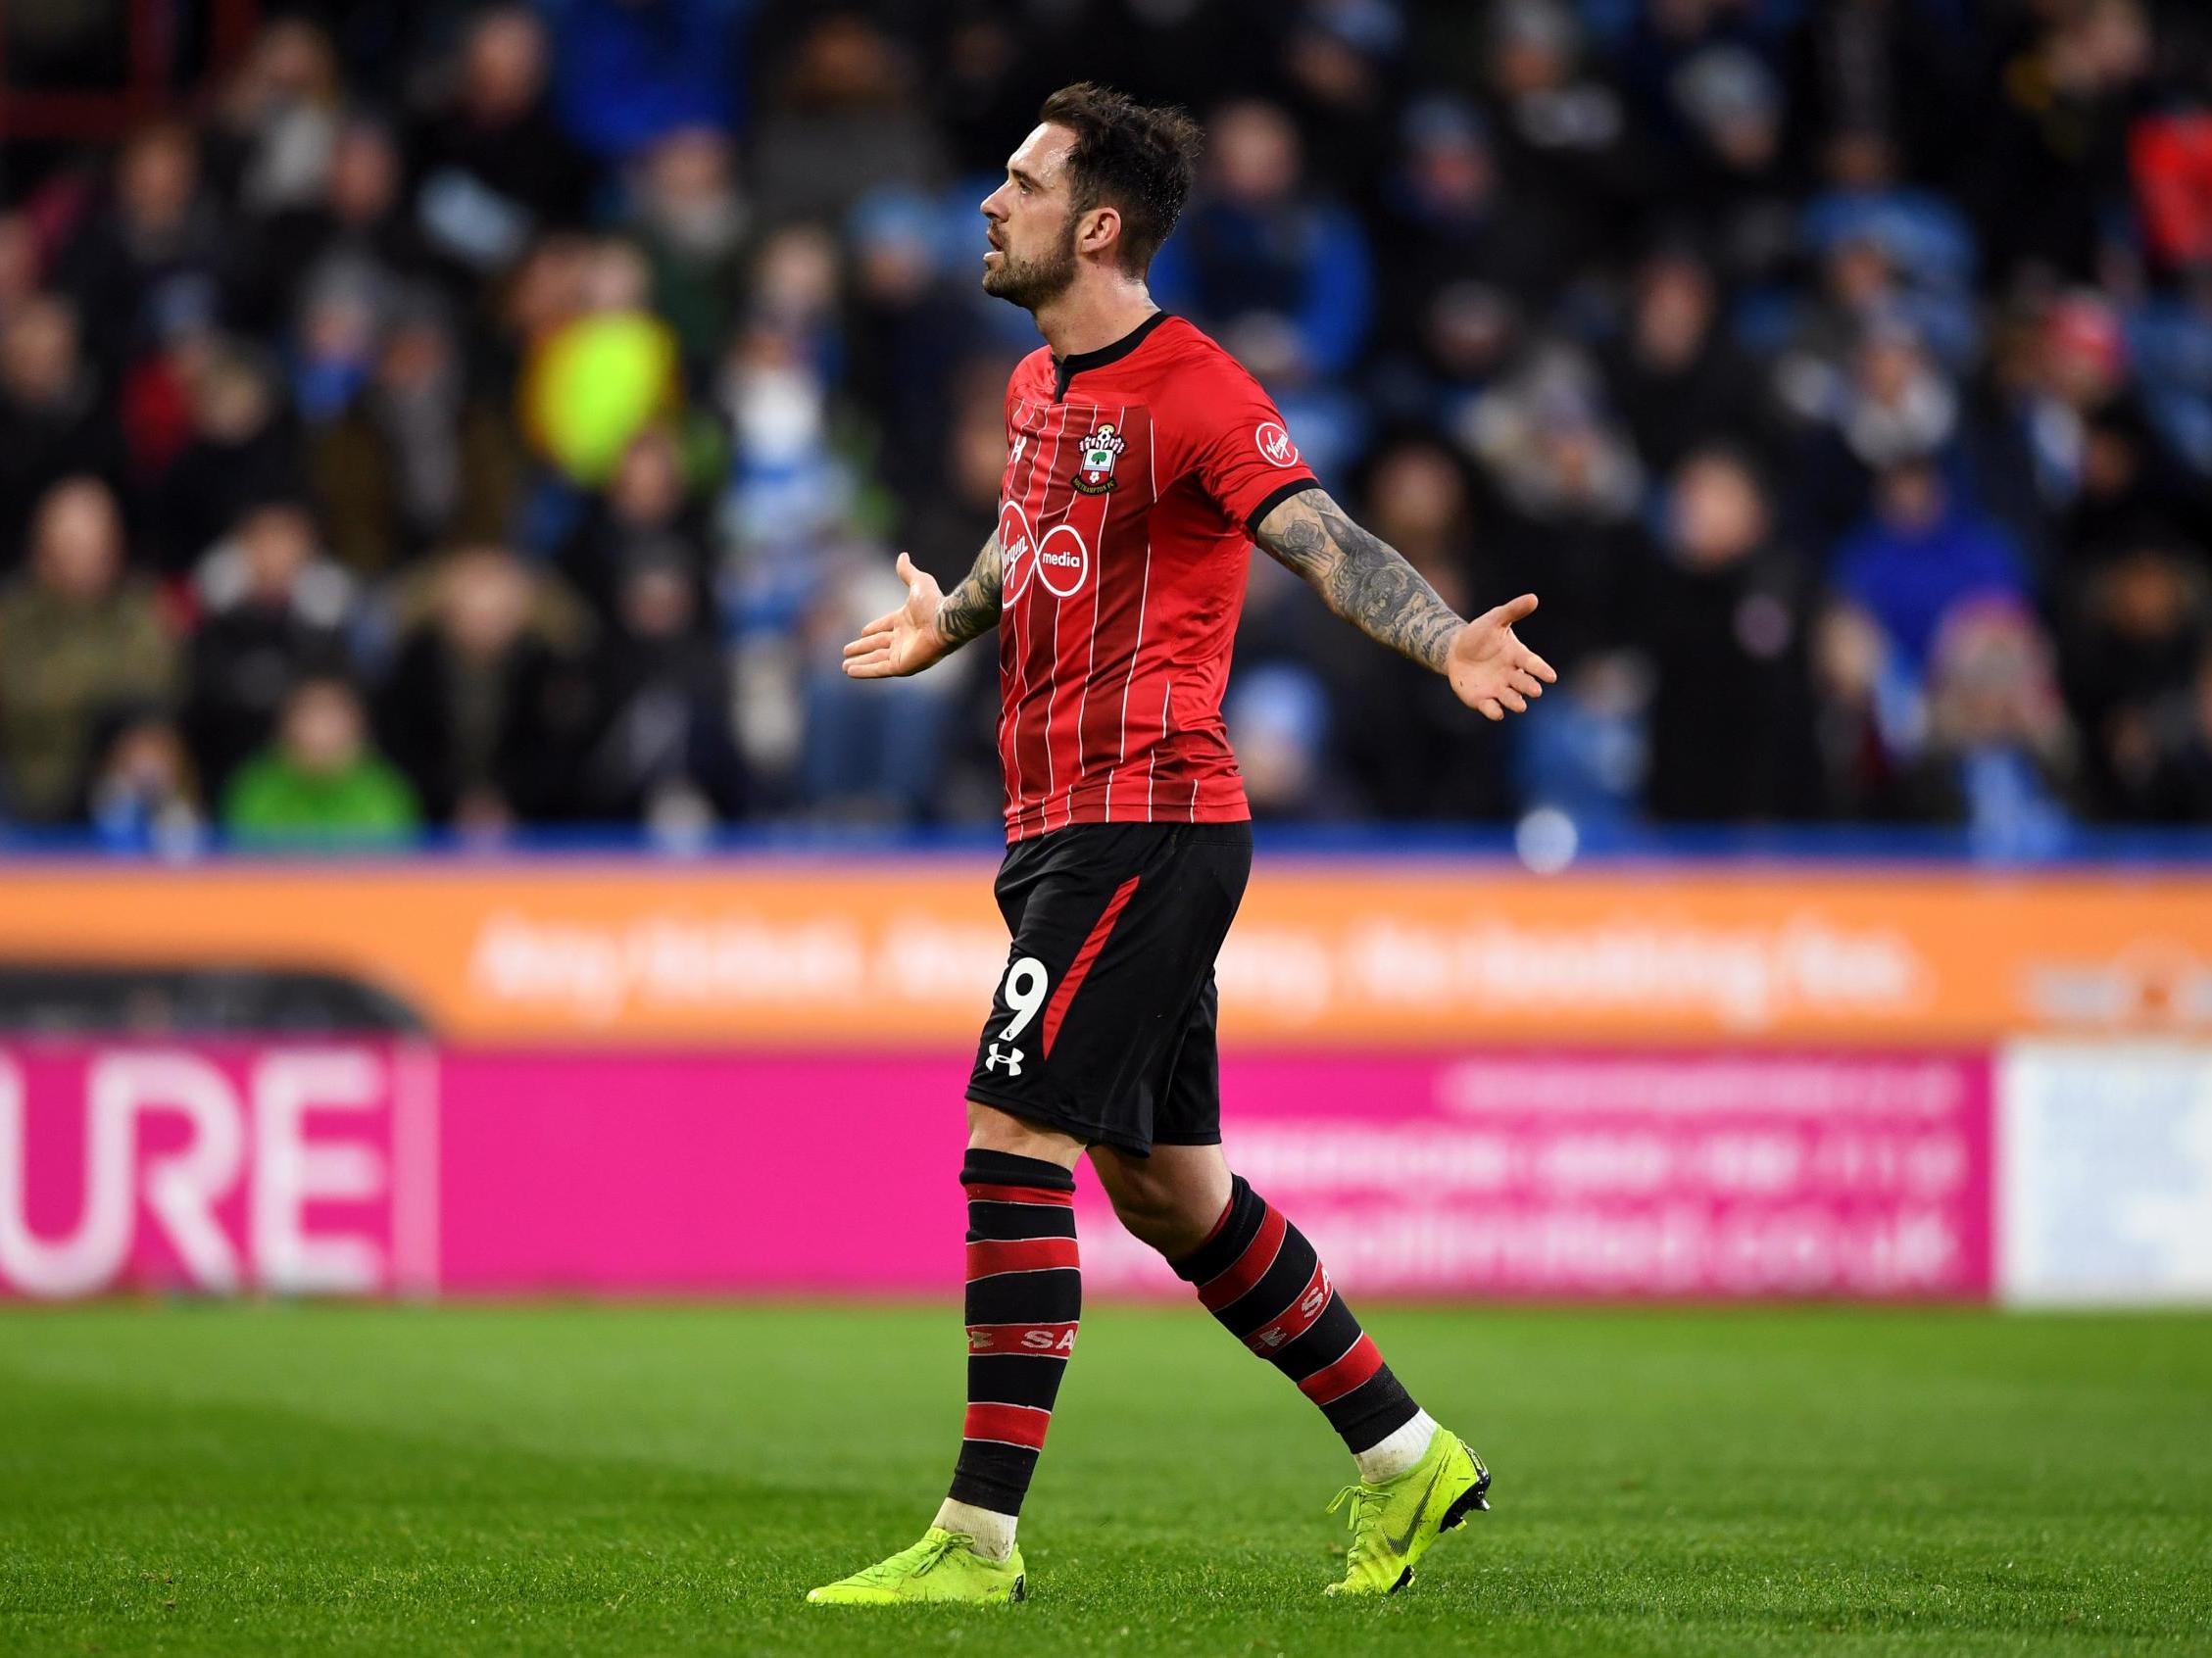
(1466, 1081)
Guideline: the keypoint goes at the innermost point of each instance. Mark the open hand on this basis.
(906, 640)
(1491, 670)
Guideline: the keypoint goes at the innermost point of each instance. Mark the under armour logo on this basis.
(1011, 1060)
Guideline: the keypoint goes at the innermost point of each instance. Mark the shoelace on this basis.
(1366, 1515)
(921, 1557)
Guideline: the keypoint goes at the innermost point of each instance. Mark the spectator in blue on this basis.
(1926, 238)
(2170, 339)
(1921, 556)
(1261, 256)
(2000, 759)
(1278, 720)
(863, 758)
(1584, 754)
(143, 795)
(1924, 245)
(632, 72)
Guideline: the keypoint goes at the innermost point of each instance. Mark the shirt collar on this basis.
(1065, 368)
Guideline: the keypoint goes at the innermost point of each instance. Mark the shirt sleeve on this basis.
(1234, 443)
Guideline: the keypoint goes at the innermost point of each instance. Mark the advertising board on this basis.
(352, 1167)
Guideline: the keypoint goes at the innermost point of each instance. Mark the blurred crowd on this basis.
(475, 419)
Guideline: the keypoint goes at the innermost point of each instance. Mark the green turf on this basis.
(399, 1480)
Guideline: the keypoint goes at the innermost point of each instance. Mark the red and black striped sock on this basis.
(1025, 1295)
(1261, 1279)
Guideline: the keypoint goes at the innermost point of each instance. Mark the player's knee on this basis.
(1160, 1213)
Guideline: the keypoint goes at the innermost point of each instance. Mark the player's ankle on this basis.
(990, 1533)
(1397, 1450)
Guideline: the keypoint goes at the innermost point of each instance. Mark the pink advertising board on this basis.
(308, 1167)
(1563, 1174)
(367, 1168)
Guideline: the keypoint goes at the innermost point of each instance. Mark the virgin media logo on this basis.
(1060, 559)
(1275, 446)
(297, 1169)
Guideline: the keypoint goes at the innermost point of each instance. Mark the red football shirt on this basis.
(1134, 476)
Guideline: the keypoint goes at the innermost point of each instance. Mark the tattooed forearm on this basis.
(1362, 580)
(972, 608)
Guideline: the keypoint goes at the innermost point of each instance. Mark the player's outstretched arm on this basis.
(931, 623)
(1369, 584)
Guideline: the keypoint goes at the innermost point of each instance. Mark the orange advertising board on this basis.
(790, 951)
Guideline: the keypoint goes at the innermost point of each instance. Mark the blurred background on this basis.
(466, 433)
(499, 411)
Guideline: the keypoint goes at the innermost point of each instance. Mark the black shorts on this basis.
(1103, 1023)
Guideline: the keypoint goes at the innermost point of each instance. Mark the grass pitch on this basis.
(645, 1480)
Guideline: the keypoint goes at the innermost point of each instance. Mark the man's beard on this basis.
(1033, 282)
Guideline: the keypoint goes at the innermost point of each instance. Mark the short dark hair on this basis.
(1128, 156)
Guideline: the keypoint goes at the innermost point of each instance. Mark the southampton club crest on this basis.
(1094, 467)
